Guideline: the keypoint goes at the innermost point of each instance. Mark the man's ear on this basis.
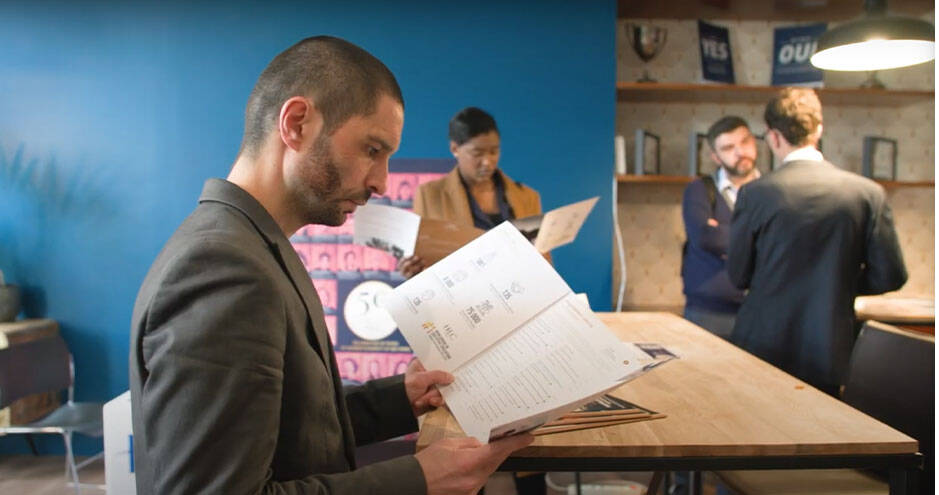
(453, 148)
(298, 120)
(818, 133)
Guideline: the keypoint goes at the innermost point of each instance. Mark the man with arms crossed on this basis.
(806, 240)
(234, 383)
(711, 300)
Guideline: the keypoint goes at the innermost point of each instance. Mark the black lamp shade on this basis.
(875, 43)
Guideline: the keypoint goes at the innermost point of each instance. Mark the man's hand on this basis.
(462, 465)
(420, 386)
(411, 266)
(712, 222)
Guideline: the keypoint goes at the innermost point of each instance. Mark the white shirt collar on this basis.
(804, 153)
(723, 181)
(727, 188)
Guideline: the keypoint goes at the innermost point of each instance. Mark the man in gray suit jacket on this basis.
(234, 385)
(806, 240)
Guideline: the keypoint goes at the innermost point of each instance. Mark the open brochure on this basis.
(522, 347)
(403, 233)
(557, 227)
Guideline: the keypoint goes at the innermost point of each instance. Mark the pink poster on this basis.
(349, 257)
(322, 257)
(328, 291)
(331, 327)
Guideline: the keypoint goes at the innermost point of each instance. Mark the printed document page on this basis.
(463, 304)
(390, 229)
(561, 359)
(561, 225)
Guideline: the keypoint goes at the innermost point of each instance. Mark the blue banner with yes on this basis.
(717, 64)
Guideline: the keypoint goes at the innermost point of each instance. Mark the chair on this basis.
(891, 378)
(45, 365)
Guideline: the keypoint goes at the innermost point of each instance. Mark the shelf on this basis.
(684, 179)
(653, 179)
(778, 10)
(666, 92)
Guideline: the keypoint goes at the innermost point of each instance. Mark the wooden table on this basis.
(913, 313)
(726, 410)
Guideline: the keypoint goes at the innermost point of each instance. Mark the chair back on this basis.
(892, 378)
(37, 366)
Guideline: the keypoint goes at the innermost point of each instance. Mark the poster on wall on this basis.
(350, 279)
(793, 46)
(717, 62)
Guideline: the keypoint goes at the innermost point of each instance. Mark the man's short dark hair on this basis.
(342, 79)
(796, 113)
(469, 123)
(725, 124)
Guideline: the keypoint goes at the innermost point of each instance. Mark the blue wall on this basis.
(122, 110)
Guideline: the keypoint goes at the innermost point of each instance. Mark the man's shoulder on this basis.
(700, 185)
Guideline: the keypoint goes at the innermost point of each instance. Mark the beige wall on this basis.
(650, 214)
(650, 219)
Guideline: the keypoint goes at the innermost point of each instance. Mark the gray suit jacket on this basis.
(806, 240)
(234, 385)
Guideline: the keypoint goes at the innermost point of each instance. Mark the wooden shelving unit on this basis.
(684, 179)
(734, 93)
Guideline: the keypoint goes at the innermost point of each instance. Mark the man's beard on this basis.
(735, 170)
(315, 191)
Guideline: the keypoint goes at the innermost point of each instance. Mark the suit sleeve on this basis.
(379, 410)
(883, 269)
(695, 211)
(214, 350)
(741, 254)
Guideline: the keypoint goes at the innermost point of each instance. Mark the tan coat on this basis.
(446, 199)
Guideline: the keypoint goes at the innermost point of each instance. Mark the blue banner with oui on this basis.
(792, 48)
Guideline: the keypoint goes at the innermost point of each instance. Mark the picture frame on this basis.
(879, 158)
(698, 154)
(647, 153)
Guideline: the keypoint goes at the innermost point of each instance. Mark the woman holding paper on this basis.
(475, 192)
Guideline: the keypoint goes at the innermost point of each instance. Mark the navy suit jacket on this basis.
(806, 240)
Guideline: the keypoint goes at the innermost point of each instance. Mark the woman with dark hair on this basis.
(475, 192)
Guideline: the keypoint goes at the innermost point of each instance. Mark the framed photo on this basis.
(765, 160)
(699, 159)
(647, 153)
(879, 158)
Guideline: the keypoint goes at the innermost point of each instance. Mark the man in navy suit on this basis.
(806, 240)
(711, 300)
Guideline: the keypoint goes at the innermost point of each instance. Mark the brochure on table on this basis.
(522, 347)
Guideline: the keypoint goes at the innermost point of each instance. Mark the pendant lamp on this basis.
(875, 42)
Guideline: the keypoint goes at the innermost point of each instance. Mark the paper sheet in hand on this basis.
(522, 348)
(556, 227)
(390, 229)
